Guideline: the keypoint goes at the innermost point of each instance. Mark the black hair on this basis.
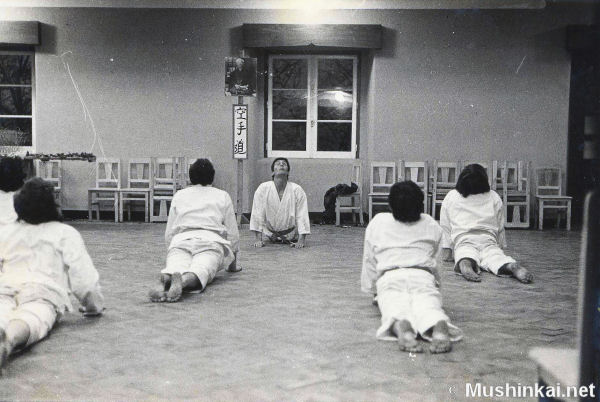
(281, 159)
(472, 180)
(35, 202)
(406, 201)
(202, 172)
(12, 174)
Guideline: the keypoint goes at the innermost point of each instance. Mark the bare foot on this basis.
(159, 293)
(176, 289)
(406, 337)
(234, 269)
(258, 244)
(467, 270)
(520, 273)
(440, 342)
(3, 350)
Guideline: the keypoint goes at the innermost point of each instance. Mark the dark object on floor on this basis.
(329, 201)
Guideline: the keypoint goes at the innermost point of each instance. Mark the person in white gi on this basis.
(400, 256)
(11, 179)
(42, 262)
(201, 235)
(280, 209)
(473, 220)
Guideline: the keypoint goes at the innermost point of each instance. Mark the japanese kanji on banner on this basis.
(240, 131)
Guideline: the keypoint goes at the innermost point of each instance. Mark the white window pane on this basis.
(290, 73)
(334, 105)
(15, 101)
(336, 73)
(15, 132)
(289, 136)
(334, 137)
(289, 104)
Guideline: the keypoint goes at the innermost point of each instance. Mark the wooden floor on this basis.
(293, 325)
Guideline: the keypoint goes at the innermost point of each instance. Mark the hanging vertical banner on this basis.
(240, 131)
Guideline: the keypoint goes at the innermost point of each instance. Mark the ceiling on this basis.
(285, 4)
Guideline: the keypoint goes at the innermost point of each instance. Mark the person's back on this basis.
(202, 208)
(472, 217)
(474, 213)
(201, 235)
(50, 256)
(399, 244)
(42, 261)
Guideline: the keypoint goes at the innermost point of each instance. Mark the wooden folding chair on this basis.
(138, 187)
(514, 188)
(383, 176)
(354, 198)
(108, 186)
(444, 177)
(548, 193)
(51, 171)
(418, 172)
(164, 181)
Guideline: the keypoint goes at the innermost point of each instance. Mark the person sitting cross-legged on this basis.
(201, 235)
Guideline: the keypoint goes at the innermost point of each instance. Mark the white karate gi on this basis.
(475, 227)
(201, 234)
(290, 211)
(400, 266)
(7, 209)
(41, 265)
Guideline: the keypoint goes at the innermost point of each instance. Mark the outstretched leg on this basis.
(159, 293)
(181, 282)
(16, 335)
(517, 271)
(468, 270)
(406, 337)
(440, 342)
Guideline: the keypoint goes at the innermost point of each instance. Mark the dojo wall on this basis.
(447, 85)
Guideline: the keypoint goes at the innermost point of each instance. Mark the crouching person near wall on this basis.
(201, 234)
(42, 261)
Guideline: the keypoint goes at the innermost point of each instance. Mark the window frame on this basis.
(22, 149)
(312, 121)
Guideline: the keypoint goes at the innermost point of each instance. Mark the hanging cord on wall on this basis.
(86, 112)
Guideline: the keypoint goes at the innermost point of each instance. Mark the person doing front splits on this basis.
(201, 234)
(42, 262)
(400, 256)
(280, 209)
(472, 217)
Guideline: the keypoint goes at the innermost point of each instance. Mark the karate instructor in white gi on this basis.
(280, 209)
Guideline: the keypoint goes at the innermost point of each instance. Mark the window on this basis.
(312, 106)
(16, 99)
